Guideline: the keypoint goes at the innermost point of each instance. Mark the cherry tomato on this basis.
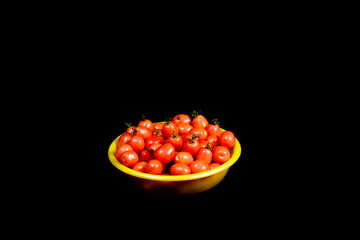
(199, 121)
(125, 138)
(205, 155)
(180, 169)
(159, 125)
(143, 132)
(120, 150)
(145, 156)
(213, 140)
(181, 119)
(184, 128)
(170, 128)
(131, 130)
(154, 167)
(140, 166)
(203, 143)
(191, 146)
(199, 166)
(176, 141)
(213, 129)
(214, 165)
(184, 157)
(227, 139)
(153, 148)
(153, 139)
(129, 158)
(158, 133)
(221, 154)
(165, 153)
(137, 143)
(202, 133)
(148, 124)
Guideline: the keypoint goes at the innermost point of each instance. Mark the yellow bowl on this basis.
(169, 185)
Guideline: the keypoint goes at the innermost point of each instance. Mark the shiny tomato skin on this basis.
(148, 124)
(203, 143)
(199, 166)
(143, 132)
(200, 122)
(184, 157)
(153, 139)
(213, 140)
(176, 141)
(165, 153)
(125, 138)
(159, 125)
(131, 130)
(202, 133)
(137, 143)
(221, 154)
(152, 149)
(214, 165)
(184, 128)
(140, 166)
(120, 150)
(191, 146)
(154, 167)
(145, 156)
(213, 129)
(129, 158)
(181, 119)
(227, 139)
(170, 128)
(180, 169)
(205, 155)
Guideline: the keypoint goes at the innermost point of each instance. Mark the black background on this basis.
(272, 72)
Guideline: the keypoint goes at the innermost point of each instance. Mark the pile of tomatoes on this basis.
(177, 147)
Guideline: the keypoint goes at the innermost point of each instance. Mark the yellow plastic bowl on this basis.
(168, 185)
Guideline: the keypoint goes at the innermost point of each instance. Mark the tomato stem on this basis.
(195, 113)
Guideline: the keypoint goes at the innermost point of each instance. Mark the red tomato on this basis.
(227, 139)
(199, 166)
(129, 158)
(158, 133)
(202, 133)
(205, 155)
(137, 143)
(140, 166)
(170, 128)
(176, 141)
(181, 119)
(165, 153)
(120, 150)
(184, 128)
(154, 167)
(203, 143)
(221, 154)
(214, 165)
(191, 146)
(159, 125)
(143, 132)
(131, 130)
(153, 148)
(145, 156)
(125, 138)
(180, 169)
(153, 139)
(148, 124)
(213, 140)
(184, 157)
(199, 121)
(213, 129)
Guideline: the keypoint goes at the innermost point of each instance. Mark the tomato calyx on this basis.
(174, 135)
(157, 132)
(195, 113)
(193, 136)
(208, 146)
(216, 121)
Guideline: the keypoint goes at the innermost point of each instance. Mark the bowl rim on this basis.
(236, 152)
